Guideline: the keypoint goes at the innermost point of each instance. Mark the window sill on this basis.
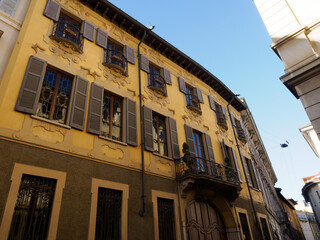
(50, 121)
(117, 67)
(195, 109)
(68, 43)
(112, 140)
(159, 155)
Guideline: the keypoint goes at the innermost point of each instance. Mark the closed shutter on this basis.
(174, 138)
(95, 109)
(30, 88)
(166, 76)
(236, 164)
(199, 95)
(255, 174)
(131, 123)
(52, 10)
(182, 85)
(102, 38)
(144, 61)
(209, 147)
(79, 104)
(243, 129)
(212, 104)
(224, 111)
(246, 170)
(189, 139)
(8, 6)
(147, 127)
(88, 31)
(233, 120)
(130, 55)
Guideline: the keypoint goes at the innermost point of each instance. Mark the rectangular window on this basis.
(265, 229)
(240, 130)
(199, 150)
(115, 56)
(32, 212)
(159, 133)
(221, 115)
(251, 173)
(55, 96)
(108, 219)
(244, 226)
(166, 219)
(8, 6)
(111, 126)
(156, 80)
(193, 101)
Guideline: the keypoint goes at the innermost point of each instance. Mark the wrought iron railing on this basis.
(114, 56)
(193, 101)
(196, 166)
(68, 33)
(156, 82)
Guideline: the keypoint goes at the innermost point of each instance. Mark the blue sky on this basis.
(229, 39)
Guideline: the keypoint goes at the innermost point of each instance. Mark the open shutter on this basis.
(88, 31)
(190, 141)
(182, 85)
(212, 104)
(223, 150)
(52, 10)
(130, 55)
(30, 88)
(147, 127)
(95, 109)
(199, 95)
(144, 61)
(246, 170)
(102, 38)
(79, 104)
(236, 164)
(174, 138)
(131, 123)
(233, 121)
(166, 76)
(224, 111)
(243, 129)
(255, 174)
(209, 147)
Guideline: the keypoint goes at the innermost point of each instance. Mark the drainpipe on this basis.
(245, 175)
(143, 196)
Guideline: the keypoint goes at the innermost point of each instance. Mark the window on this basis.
(265, 229)
(239, 128)
(115, 57)
(111, 126)
(108, 218)
(46, 93)
(231, 162)
(166, 219)
(221, 114)
(8, 6)
(244, 226)
(32, 212)
(159, 134)
(193, 101)
(250, 171)
(156, 80)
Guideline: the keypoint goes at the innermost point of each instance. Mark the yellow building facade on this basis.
(75, 113)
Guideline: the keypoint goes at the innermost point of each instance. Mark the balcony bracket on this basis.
(185, 185)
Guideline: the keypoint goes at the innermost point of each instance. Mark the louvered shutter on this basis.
(31, 85)
(212, 104)
(233, 120)
(95, 109)
(131, 123)
(130, 55)
(147, 127)
(52, 10)
(189, 139)
(199, 95)
(88, 31)
(8, 6)
(236, 164)
(144, 61)
(166, 76)
(102, 38)
(79, 104)
(223, 150)
(209, 147)
(182, 85)
(255, 174)
(246, 170)
(242, 127)
(224, 111)
(174, 138)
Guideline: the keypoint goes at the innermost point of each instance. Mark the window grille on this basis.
(166, 219)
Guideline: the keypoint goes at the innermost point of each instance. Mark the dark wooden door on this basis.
(204, 222)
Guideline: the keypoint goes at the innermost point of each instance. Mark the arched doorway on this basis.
(204, 222)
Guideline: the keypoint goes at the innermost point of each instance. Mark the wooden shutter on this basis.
(31, 85)
(236, 164)
(130, 55)
(255, 174)
(166, 76)
(88, 30)
(212, 104)
(209, 147)
(246, 170)
(243, 128)
(189, 139)
(233, 120)
(102, 38)
(95, 109)
(224, 111)
(144, 63)
(52, 10)
(131, 123)
(79, 104)
(174, 138)
(223, 150)
(147, 127)
(182, 85)
(8, 6)
(199, 95)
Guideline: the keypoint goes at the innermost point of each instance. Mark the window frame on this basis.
(243, 211)
(260, 215)
(221, 118)
(251, 172)
(11, 14)
(107, 59)
(159, 79)
(166, 139)
(193, 101)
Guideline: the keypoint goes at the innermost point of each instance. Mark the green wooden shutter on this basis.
(31, 85)
(144, 61)
(131, 123)
(166, 76)
(102, 38)
(174, 138)
(95, 109)
(52, 10)
(147, 127)
(189, 139)
(182, 85)
(130, 55)
(88, 31)
(79, 104)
